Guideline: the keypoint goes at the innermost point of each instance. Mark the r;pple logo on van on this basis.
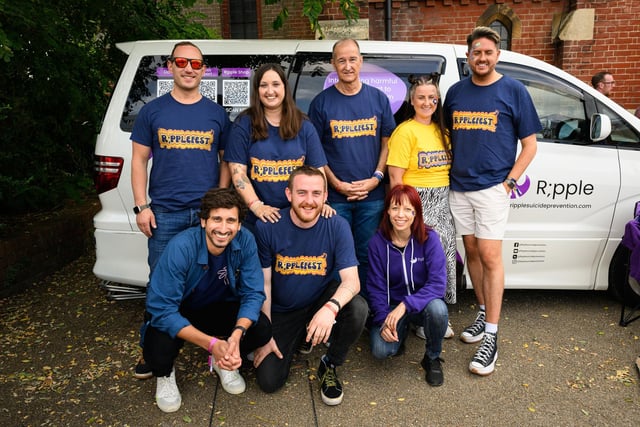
(554, 190)
(557, 190)
(521, 189)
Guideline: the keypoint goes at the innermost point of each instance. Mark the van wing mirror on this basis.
(600, 127)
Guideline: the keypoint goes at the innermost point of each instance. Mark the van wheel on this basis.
(619, 286)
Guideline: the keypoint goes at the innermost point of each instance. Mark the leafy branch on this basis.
(312, 9)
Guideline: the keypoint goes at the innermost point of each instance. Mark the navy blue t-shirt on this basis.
(350, 129)
(303, 260)
(486, 123)
(270, 161)
(185, 140)
(214, 285)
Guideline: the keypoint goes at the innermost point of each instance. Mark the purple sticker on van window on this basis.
(236, 72)
(390, 84)
(164, 72)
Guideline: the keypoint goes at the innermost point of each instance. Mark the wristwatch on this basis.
(138, 209)
(511, 183)
(242, 328)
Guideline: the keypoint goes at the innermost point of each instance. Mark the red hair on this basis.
(397, 193)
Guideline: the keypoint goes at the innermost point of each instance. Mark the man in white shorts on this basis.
(486, 115)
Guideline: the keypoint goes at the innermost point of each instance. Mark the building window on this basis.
(243, 19)
(503, 31)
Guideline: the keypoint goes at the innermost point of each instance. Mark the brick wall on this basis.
(212, 14)
(296, 26)
(614, 47)
(449, 21)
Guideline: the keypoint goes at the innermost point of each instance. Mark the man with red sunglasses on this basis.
(185, 134)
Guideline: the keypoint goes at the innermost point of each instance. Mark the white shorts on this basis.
(482, 213)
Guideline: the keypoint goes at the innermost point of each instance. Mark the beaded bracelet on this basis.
(211, 343)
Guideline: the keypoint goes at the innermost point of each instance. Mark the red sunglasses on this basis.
(182, 62)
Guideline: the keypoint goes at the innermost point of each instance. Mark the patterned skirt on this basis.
(437, 215)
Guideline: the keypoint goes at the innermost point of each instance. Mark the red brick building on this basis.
(580, 36)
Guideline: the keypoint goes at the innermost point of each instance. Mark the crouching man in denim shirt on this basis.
(207, 289)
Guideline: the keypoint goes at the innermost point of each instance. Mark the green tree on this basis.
(59, 64)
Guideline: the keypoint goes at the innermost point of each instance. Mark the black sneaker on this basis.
(433, 371)
(475, 331)
(484, 361)
(305, 347)
(330, 387)
(142, 371)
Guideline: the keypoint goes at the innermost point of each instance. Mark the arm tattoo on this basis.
(239, 184)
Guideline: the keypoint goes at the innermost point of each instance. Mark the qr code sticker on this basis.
(164, 86)
(208, 88)
(235, 93)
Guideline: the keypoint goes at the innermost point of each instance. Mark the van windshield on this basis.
(312, 73)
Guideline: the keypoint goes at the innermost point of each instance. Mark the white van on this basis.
(565, 226)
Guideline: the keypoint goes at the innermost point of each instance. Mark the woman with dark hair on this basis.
(406, 281)
(420, 156)
(267, 141)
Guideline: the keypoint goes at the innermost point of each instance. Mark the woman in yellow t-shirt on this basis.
(420, 156)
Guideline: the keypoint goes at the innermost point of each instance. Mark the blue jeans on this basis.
(169, 224)
(364, 218)
(434, 318)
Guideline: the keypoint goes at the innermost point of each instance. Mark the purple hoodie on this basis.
(414, 275)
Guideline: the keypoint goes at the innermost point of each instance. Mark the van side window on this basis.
(226, 81)
(561, 108)
(622, 134)
(312, 73)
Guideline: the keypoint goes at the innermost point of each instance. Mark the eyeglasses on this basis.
(182, 62)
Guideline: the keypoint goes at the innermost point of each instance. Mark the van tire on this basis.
(619, 286)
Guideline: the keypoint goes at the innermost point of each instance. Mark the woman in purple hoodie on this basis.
(406, 282)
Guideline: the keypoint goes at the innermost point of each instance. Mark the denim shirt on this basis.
(182, 265)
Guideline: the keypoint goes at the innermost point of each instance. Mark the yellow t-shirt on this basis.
(419, 150)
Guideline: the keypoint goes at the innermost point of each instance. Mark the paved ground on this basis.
(67, 358)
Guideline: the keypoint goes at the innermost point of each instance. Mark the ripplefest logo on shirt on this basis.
(353, 128)
(471, 120)
(185, 139)
(301, 265)
(273, 170)
(521, 189)
(433, 159)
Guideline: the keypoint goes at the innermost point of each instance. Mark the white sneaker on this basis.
(232, 382)
(168, 396)
(448, 334)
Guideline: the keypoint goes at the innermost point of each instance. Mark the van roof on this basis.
(275, 46)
